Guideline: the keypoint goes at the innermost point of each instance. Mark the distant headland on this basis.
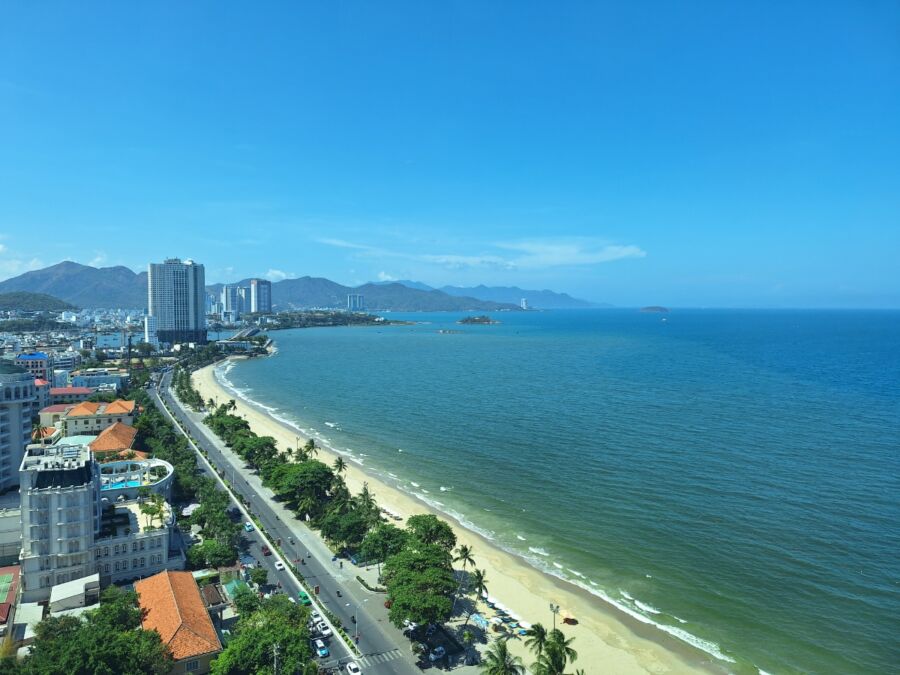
(655, 309)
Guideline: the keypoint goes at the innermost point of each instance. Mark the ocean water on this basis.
(730, 476)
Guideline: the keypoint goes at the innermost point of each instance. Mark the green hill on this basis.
(23, 301)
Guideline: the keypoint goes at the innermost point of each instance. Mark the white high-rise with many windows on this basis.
(18, 405)
(260, 296)
(176, 299)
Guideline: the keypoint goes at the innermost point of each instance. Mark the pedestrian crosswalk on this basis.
(383, 657)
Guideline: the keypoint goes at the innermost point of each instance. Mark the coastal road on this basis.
(385, 650)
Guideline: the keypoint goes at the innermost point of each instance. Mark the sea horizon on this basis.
(644, 591)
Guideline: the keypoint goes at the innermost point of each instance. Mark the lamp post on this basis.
(355, 619)
(555, 610)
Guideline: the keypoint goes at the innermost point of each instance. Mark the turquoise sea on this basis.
(731, 476)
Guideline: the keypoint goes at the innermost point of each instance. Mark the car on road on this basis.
(279, 565)
(437, 654)
(248, 526)
(315, 616)
(303, 596)
(266, 550)
(321, 649)
(353, 669)
(324, 629)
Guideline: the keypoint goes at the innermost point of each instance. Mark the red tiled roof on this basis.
(118, 436)
(120, 406)
(40, 382)
(43, 432)
(56, 407)
(176, 611)
(63, 391)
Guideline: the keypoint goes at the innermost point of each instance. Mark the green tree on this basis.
(429, 529)
(499, 661)
(557, 653)
(246, 601)
(381, 542)
(420, 584)
(346, 530)
(277, 621)
(105, 642)
(339, 466)
(464, 555)
(536, 639)
(259, 576)
(478, 586)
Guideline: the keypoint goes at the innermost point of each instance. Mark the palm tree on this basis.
(232, 404)
(557, 640)
(479, 588)
(536, 639)
(311, 448)
(464, 556)
(340, 466)
(498, 660)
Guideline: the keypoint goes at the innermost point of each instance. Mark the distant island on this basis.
(483, 320)
(655, 309)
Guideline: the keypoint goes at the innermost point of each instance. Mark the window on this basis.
(192, 665)
(106, 555)
(134, 563)
(106, 568)
(142, 562)
(116, 549)
(117, 565)
(133, 546)
(124, 564)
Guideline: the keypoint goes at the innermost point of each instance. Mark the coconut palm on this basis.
(311, 448)
(498, 660)
(536, 639)
(479, 588)
(557, 640)
(464, 556)
(339, 466)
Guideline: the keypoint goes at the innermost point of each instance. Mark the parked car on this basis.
(266, 550)
(437, 654)
(304, 599)
(315, 616)
(322, 649)
(353, 669)
(324, 629)
(248, 526)
(279, 565)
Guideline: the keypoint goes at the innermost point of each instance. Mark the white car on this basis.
(279, 565)
(324, 629)
(315, 616)
(353, 669)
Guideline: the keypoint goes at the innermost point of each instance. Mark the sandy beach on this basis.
(606, 639)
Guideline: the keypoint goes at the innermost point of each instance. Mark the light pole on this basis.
(355, 619)
(555, 610)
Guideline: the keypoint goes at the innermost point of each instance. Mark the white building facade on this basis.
(74, 524)
(176, 298)
(18, 405)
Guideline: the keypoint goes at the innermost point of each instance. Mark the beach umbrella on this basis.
(525, 625)
(491, 600)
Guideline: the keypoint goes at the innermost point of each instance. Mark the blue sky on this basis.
(688, 154)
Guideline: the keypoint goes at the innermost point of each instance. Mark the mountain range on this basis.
(111, 287)
(544, 299)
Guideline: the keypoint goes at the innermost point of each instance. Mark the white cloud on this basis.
(278, 275)
(525, 254)
(541, 253)
(384, 276)
(98, 259)
(11, 267)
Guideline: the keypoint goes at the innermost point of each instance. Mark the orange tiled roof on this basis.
(84, 409)
(120, 406)
(87, 408)
(118, 436)
(43, 432)
(176, 611)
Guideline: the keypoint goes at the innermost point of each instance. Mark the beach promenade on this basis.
(606, 640)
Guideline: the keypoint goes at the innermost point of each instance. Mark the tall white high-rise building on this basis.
(260, 296)
(18, 405)
(177, 300)
(230, 300)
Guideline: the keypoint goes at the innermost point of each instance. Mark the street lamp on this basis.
(555, 610)
(355, 619)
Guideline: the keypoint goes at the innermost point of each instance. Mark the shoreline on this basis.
(605, 635)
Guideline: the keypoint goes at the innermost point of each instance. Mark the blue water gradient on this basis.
(732, 476)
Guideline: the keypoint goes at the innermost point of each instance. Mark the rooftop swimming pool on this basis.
(119, 484)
